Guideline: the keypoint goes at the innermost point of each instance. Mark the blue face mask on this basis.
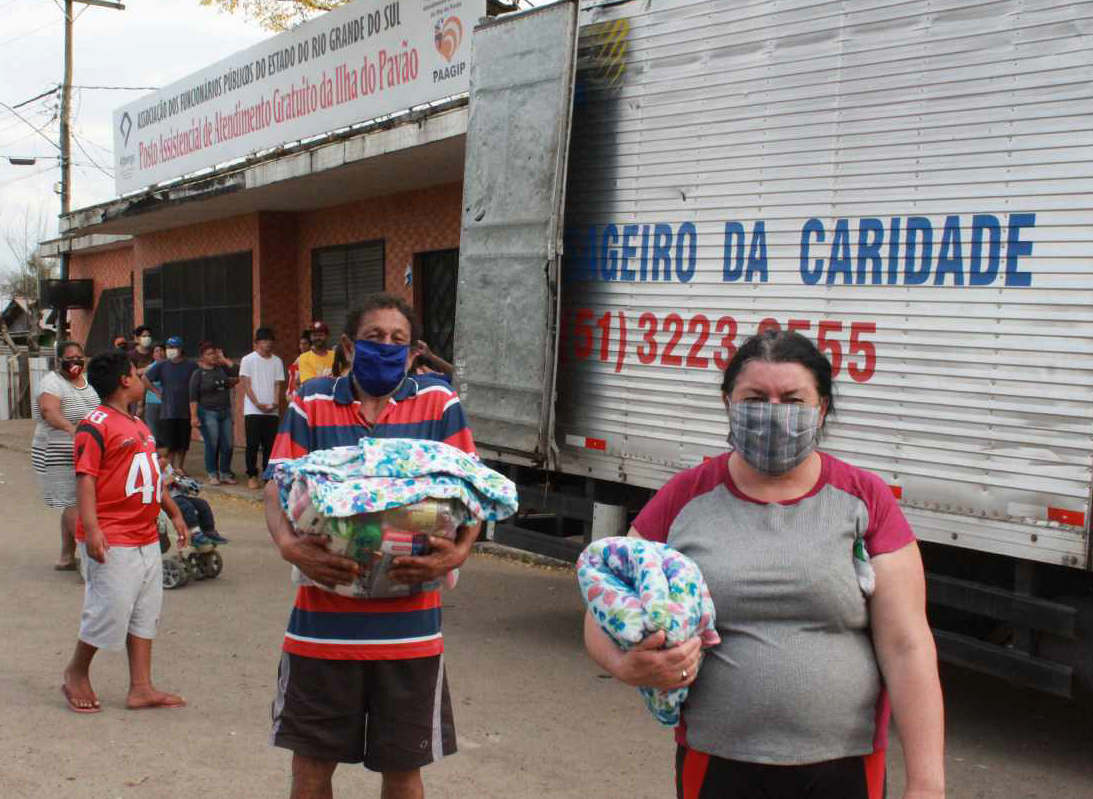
(379, 368)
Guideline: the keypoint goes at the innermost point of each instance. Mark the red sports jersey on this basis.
(120, 452)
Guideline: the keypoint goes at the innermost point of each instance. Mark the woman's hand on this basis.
(648, 666)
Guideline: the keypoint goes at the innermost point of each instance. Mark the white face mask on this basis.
(145, 341)
(172, 353)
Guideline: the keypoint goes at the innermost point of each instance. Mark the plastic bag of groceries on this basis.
(374, 540)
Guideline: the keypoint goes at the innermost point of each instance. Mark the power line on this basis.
(13, 124)
(28, 33)
(106, 150)
(36, 130)
(9, 5)
(121, 88)
(15, 121)
(16, 141)
(47, 158)
(89, 158)
(54, 90)
(31, 175)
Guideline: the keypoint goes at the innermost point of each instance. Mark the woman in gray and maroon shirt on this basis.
(795, 700)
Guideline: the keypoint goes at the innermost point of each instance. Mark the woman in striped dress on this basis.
(65, 397)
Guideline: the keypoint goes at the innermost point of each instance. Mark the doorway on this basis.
(437, 273)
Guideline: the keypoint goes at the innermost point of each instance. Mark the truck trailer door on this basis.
(521, 97)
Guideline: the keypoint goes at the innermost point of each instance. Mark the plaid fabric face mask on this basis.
(773, 437)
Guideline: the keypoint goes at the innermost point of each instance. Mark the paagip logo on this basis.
(447, 36)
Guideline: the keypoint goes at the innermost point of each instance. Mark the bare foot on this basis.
(81, 697)
(147, 696)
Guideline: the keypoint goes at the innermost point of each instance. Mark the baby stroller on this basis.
(197, 561)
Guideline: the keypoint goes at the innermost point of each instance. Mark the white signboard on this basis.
(355, 63)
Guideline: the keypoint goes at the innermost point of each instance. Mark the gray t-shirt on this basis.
(794, 679)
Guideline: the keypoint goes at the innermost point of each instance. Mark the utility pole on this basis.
(66, 140)
(66, 118)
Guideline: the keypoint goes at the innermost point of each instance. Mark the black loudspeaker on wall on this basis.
(68, 293)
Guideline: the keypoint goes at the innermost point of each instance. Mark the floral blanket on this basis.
(633, 588)
(355, 494)
(383, 473)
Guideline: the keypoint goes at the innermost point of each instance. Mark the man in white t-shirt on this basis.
(262, 375)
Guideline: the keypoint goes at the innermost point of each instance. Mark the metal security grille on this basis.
(438, 274)
(113, 318)
(153, 301)
(341, 277)
(206, 298)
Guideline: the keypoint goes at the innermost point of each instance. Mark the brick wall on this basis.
(110, 270)
(275, 299)
(281, 245)
(409, 223)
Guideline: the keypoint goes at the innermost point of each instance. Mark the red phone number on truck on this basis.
(657, 340)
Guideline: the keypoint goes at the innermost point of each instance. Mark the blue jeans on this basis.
(216, 429)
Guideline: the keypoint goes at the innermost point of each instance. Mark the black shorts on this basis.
(390, 715)
(173, 435)
(702, 776)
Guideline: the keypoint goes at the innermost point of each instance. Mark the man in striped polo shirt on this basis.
(362, 680)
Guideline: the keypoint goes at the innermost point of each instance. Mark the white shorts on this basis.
(121, 596)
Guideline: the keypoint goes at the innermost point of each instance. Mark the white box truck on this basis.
(649, 182)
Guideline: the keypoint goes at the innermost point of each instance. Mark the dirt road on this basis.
(535, 719)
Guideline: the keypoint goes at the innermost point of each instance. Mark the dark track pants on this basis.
(261, 429)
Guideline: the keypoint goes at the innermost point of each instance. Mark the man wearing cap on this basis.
(319, 361)
(173, 374)
(262, 376)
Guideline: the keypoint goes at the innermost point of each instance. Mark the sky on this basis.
(150, 43)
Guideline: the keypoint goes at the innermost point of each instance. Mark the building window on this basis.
(341, 277)
(206, 298)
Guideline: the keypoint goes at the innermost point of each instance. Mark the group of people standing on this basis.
(793, 702)
(184, 396)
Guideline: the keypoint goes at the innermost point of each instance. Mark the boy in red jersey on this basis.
(119, 492)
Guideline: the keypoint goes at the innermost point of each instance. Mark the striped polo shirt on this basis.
(325, 414)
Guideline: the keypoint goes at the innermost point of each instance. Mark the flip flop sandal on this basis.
(66, 567)
(76, 708)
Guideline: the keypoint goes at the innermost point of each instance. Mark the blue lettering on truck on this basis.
(633, 252)
(908, 251)
(914, 255)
